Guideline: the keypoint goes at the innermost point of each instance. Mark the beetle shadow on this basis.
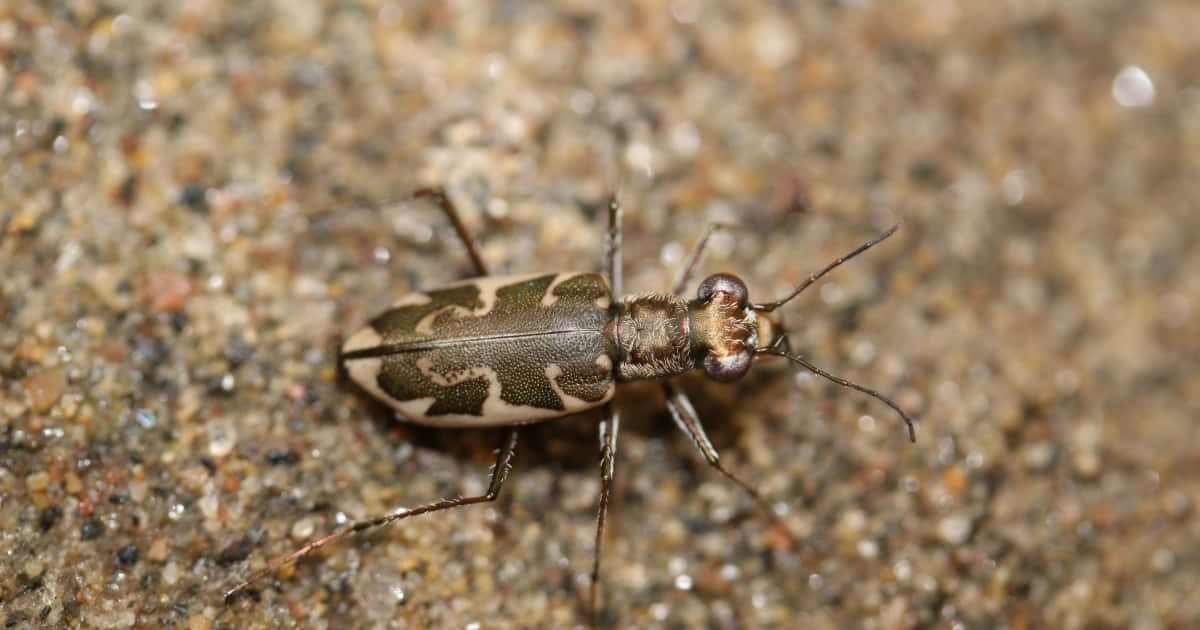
(569, 443)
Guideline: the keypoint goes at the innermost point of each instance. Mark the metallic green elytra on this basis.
(495, 350)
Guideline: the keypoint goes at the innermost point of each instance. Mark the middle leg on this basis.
(611, 420)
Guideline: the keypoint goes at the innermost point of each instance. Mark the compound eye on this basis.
(723, 283)
(729, 367)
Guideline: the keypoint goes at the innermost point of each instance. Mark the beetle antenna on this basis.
(770, 306)
(776, 350)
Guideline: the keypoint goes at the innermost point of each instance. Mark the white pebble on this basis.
(954, 529)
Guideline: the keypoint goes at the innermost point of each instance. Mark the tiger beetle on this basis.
(505, 351)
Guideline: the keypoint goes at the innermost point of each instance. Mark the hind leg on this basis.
(500, 470)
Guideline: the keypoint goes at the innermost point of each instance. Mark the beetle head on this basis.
(724, 327)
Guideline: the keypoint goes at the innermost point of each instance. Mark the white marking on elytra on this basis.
(425, 326)
(366, 337)
(572, 404)
(496, 411)
(425, 364)
(487, 285)
(412, 299)
(604, 362)
(366, 371)
(549, 299)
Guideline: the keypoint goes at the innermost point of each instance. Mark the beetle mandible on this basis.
(512, 350)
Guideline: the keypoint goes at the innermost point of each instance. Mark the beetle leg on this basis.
(608, 454)
(610, 421)
(439, 196)
(697, 254)
(612, 249)
(4, 225)
(688, 420)
(500, 472)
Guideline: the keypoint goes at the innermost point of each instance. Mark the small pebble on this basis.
(138, 490)
(199, 622)
(166, 291)
(171, 573)
(45, 388)
(1039, 456)
(37, 482)
(145, 418)
(157, 551)
(33, 568)
(128, 555)
(1086, 463)
(1175, 504)
(91, 529)
(303, 529)
(954, 529)
(955, 480)
(222, 435)
(1162, 560)
(49, 517)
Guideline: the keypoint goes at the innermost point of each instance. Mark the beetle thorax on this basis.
(653, 336)
(660, 335)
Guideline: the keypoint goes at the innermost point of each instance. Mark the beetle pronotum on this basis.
(511, 350)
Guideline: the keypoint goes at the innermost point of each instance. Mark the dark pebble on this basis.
(91, 529)
(194, 197)
(277, 457)
(49, 517)
(236, 552)
(128, 555)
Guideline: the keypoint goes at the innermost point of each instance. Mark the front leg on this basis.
(685, 416)
(697, 255)
(612, 250)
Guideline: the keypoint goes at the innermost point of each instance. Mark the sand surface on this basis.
(199, 201)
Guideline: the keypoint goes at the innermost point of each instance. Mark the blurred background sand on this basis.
(197, 201)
